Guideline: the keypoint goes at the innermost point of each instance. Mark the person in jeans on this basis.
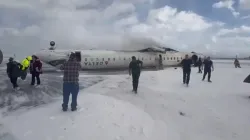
(71, 70)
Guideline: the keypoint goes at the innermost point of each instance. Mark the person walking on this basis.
(186, 67)
(199, 64)
(135, 70)
(13, 72)
(35, 70)
(71, 70)
(208, 67)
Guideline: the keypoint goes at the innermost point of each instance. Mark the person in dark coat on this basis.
(13, 72)
(208, 67)
(135, 70)
(186, 67)
(199, 64)
(35, 70)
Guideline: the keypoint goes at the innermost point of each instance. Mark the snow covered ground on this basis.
(163, 109)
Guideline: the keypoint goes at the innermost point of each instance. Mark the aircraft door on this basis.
(78, 56)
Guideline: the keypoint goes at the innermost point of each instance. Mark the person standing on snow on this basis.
(13, 72)
(35, 70)
(186, 67)
(199, 64)
(71, 70)
(135, 70)
(24, 67)
(208, 67)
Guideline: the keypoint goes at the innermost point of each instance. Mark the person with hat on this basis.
(13, 72)
(71, 70)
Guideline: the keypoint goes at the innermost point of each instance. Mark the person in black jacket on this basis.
(199, 64)
(13, 72)
(135, 69)
(186, 66)
(208, 64)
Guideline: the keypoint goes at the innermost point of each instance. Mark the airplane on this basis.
(110, 59)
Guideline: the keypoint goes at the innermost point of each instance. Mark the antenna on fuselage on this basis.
(52, 45)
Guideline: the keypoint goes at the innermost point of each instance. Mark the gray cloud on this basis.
(27, 26)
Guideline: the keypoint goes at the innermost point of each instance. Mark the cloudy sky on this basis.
(208, 26)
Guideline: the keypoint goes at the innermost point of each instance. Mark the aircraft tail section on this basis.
(1, 57)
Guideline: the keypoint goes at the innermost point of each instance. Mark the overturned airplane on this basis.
(106, 59)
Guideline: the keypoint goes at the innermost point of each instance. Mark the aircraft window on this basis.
(163, 58)
(86, 59)
(102, 59)
(174, 58)
(108, 59)
(114, 59)
(150, 58)
(171, 58)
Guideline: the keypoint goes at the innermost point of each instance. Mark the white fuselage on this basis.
(96, 59)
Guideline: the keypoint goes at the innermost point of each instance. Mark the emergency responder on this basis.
(13, 72)
(208, 67)
(135, 70)
(24, 66)
(199, 64)
(186, 67)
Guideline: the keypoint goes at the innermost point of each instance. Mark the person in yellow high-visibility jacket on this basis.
(25, 64)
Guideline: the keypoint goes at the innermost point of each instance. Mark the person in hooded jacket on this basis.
(35, 70)
(13, 72)
(24, 67)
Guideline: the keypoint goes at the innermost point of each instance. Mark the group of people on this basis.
(72, 67)
(16, 70)
(206, 64)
